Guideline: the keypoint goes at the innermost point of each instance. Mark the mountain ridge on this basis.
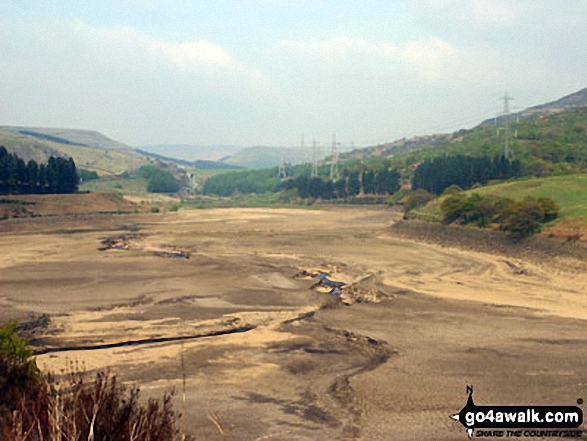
(104, 161)
(575, 99)
(79, 137)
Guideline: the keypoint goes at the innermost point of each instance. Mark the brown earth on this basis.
(276, 356)
(22, 206)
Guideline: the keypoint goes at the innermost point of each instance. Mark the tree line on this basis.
(437, 174)
(248, 181)
(352, 183)
(159, 181)
(58, 175)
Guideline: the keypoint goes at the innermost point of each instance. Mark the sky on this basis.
(269, 72)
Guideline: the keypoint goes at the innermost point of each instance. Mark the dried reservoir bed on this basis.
(273, 352)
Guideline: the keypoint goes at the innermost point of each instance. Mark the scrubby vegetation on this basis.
(158, 181)
(417, 198)
(245, 182)
(521, 219)
(39, 407)
(87, 175)
(59, 175)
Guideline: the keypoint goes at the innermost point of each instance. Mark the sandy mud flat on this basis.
(273, 352)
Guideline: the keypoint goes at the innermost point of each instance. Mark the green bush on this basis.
(453, 208)
(158, 181)
(550, 209)
(37, 407)
(418, 198)
(87, 175)
(163, 183)
(521, 219)
(14, 348)
(525, 220)
(18, 371)
(288, 196)
(453, 189)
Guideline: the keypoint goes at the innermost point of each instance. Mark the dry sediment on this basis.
(536, 248)
(423, 321)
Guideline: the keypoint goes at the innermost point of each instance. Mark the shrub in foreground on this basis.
(37, 407)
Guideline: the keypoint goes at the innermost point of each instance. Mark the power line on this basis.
(441, 127)
(315, 157)
(281, 173)
(507, 151)
(334, 159)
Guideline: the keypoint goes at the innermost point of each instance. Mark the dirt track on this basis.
(423, 321)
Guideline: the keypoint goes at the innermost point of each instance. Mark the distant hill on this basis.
(191, 152)
(28, 147)
(265, 157)
(577, 99)
(399, 146)
(85, 138)
(230, 155)
(165, 158)
(198, 163)
(105, 161)
(215, 165)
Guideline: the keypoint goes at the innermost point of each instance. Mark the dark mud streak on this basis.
(340, 389)
(306, 316)
(142, 342)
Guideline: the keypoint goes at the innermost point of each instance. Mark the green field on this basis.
(569, 192)
(134, 186)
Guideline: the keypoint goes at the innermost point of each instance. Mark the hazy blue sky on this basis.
(254, 72)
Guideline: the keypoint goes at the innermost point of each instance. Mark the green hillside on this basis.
(87, 138)
(133, 186)
(104, 162)
(569, 192)
(546, 144)
(27, 147)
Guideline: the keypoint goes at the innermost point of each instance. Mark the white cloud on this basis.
(430, 59)
(125, 46)
(429, 56)
(493, 13)
(476, 13)
(433, 62)
(333, 49)
(194, 54)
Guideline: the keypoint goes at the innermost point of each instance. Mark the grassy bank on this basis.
(569, 192)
